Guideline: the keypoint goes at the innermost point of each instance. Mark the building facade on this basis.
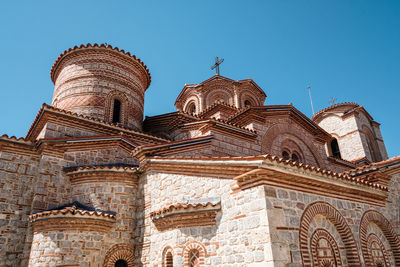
(223, 181)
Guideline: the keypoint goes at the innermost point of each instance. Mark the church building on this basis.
(223, 181)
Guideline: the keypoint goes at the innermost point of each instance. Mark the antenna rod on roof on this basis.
(312, 106)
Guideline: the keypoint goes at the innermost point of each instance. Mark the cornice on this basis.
(117, 173)
(171, 147)
(59, 116)
(181, 215)
(17, 145)
(283, 173)
(72, 218)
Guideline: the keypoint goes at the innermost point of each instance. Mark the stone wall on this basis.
(240, 236)
(261, 226)
(17, 177)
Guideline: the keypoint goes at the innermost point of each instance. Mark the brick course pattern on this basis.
(87, 80)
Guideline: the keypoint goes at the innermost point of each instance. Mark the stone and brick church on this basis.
(223, 181)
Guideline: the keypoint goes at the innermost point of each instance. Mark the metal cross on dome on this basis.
(216, 65)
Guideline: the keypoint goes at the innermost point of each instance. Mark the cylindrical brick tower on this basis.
(101, 82)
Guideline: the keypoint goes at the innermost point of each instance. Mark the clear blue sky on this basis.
(347, 49)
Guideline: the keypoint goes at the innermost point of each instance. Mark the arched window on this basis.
(194, 258)
(247, 103)
(335, 149)
(295, 157)
(121, 263)
(169, 260)
(191, 108)
(285, 155)
(116, 117)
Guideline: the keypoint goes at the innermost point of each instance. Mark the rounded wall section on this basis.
(70, 238)
(112, 190)
(88, 79)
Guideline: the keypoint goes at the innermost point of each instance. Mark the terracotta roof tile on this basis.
(272, 158)
(355, 105)
(15, 139)
(183, 207)
(51, 108)
(116, 166)
(74, 208)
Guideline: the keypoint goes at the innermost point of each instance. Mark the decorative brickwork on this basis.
(341, 225)
(373, 216)
(219, 89)
(194, 254)
(86, 77)
(185, 215)
(119, 252)
(324, 250)
(280, 136)
(377, 251)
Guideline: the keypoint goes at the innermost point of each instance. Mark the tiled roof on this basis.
(354, 105)
(15, 139)
(218, 104)
(116, 166)
(74, 208)
(183, 207)
(374, 166)
(73, 114)
(281, 161)
(101, 46)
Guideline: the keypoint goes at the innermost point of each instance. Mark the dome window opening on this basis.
(247, 103)
(295, 157)
(335, 149)
(191, 108)
(116, 117)
(285, 155)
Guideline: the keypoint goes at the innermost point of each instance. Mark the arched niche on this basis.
(336, 218)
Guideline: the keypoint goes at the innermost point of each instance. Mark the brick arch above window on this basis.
(119, 252)
(336, 218)
(373, 216)
(218, 95)
(291, 147)
(248, 96)
(190, 102)
(188, 250)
